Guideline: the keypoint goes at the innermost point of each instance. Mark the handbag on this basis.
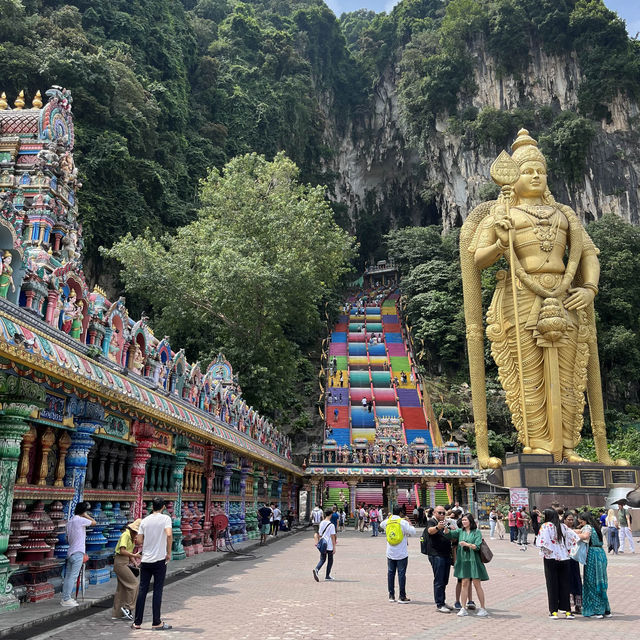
(579, 551)
(135, 570)
(486, 555)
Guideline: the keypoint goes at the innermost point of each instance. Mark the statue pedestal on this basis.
(570, 484)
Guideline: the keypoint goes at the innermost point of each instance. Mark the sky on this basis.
(628, 10)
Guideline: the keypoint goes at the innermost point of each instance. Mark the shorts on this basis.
(265, 528)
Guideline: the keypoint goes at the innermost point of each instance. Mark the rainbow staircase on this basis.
(374, 376)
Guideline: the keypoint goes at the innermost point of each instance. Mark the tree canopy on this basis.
(248, 275)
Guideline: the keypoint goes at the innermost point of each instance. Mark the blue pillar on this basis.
(280, 482)
(88, 416)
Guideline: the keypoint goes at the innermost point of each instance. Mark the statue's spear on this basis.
(505, 172)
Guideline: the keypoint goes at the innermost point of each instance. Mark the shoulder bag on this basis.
(486, 555)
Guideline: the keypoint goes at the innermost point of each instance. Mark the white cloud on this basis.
(390, 4)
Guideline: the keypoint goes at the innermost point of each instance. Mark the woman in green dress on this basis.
(595, 583)
(469, 566)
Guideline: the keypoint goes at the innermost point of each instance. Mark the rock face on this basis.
(381, 173)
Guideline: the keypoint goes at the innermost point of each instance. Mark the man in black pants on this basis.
(155, 536)
(439, 552)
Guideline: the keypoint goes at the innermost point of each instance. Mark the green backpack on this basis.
(394, 532)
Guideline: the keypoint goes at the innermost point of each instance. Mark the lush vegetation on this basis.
(249, 275)
(167, 93)
(431, 280)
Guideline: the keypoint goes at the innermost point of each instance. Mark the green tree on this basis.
(247, 276)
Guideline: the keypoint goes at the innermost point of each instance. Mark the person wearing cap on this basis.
(124, 600)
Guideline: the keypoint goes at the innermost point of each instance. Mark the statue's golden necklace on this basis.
(545, 230)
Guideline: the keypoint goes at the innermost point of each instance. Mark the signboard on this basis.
(623, 476)
(559, 478)
(519, 497)
(592, 478)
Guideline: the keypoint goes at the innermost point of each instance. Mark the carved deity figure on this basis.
(6, 275)
(69, 311)
(76, 323)
(138, 360)
(541, 320)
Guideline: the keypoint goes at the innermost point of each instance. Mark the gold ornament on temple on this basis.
(37, 101)
(4, 105)
(19, 103)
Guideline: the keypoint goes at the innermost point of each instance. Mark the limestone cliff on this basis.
(381, 173)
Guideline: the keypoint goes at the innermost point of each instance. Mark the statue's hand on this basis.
(580, 298)
(502, 228)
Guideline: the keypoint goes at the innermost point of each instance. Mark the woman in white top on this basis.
(493, 520)
(613, 531)
(555, 541)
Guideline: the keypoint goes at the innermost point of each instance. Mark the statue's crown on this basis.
(525, 149)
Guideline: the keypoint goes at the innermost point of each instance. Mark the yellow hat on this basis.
(135, 525)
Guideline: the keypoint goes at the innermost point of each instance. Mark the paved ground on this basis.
(272, 596)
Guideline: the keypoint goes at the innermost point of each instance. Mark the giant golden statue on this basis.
(541, 320)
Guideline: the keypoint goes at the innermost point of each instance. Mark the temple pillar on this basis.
(143, 433)
(243, 503)
(226, 483)
(279, 490)
(52, 304)
(256, 488)
(353, 485)
(76, 462)
(180, 462)
(19, 398)
(432, 494)
(470, 502)
(106, 341)
(314, 492)
(209, 474)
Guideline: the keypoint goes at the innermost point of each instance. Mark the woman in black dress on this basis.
(535, 522)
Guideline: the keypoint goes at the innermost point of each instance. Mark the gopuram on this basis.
(541, 326)
(94, 406)
(382, 443)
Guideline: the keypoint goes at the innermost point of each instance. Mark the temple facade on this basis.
(94, 406)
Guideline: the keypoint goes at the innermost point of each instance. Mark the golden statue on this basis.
(541, 322)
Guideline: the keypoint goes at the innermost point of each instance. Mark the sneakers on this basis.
(462, 613)
(482, 613)
(569, 616)
(471, 605)
(329, 578)
(598, 616)
(443, 609)
(554, 616)
(457, 605)
(392, 598)
(126, 612)
(448, 606)
(404, 600)
(608, 614)
(69, 603)
(315, 575)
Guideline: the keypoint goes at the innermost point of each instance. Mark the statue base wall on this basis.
(572, 485)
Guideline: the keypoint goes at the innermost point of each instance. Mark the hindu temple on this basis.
(94, 406)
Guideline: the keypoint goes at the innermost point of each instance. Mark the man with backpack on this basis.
(397, 530)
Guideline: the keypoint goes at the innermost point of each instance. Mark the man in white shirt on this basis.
(155, 535)
(316, 517)
(397, 554)
(277, 516)
(362, 514)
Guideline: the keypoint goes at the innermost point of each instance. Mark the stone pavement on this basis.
(272, 596)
